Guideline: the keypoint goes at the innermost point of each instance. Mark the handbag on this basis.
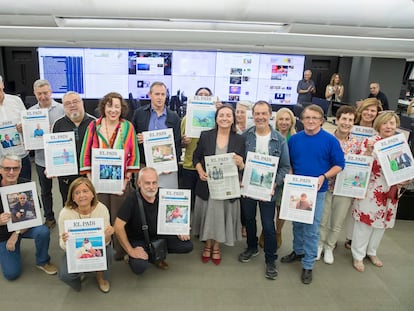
(157, 249)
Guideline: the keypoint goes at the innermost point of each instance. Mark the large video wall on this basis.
(231, 76)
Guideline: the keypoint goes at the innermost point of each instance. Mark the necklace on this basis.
(81, 216)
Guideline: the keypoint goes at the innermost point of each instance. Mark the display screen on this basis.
(231, 76)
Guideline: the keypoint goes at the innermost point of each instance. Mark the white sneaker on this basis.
(320, 250)
(328, 256)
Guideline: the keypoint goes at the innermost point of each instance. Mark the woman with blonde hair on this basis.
(368, 111)
(82, 203)
(335, 89)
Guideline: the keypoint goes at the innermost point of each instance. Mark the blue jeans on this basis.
(306, 236)
(46, 192)
(74, 279)
(11, 264)
(267, 215)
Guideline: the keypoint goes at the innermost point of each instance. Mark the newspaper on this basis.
(200, 115)
(259, 176)
(354, 179)
(22, 202)
(11, 140)
(35, 124)
(174, 211)
(299, 198)
(250, 119)
(85, 247)
(159, 150)
(223, 178)
(108, 170)
(60, 154)
(362, 132)
(395, 158)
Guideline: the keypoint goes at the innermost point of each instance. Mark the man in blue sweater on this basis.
(313, 152)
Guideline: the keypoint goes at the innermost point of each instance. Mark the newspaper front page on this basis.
(10, 138)
(35, 124)
(60, 154)
(85, 248)
(362, 132)
(299, 198)
(223, 178)
(259, 176)
(108, 170)
(174, 211)
(354, 179)
(200, 115)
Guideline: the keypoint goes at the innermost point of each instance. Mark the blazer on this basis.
(207, 146)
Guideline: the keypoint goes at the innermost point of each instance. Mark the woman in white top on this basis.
(335, 89)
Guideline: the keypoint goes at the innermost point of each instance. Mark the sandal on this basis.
(216, 257)
(375, 261)
(206, 258)
(359, 265)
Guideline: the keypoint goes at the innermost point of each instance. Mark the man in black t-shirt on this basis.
(128, 225)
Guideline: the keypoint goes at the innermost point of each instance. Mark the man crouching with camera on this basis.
(129, 226)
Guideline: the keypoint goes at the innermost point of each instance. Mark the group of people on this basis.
(311, 152)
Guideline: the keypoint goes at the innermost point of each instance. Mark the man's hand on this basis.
(138, 252)
(183, 237)
(11, 242)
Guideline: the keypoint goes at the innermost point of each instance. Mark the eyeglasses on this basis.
(312, 118)
(70, 103)
(10, 168)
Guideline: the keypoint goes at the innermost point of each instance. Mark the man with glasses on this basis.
(10, 108)
(76, 120)
(316, 153)
(10, 258)
(43, 92)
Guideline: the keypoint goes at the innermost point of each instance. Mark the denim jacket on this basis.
(277, 147)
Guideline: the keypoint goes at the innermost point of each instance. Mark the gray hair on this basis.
(71, 93)
(41, 83)
(143, 170)
(12, 157)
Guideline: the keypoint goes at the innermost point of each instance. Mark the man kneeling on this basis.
(128, 225)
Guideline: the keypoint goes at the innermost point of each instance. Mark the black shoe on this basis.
(271, 271)
(291, 257)
(306, 276)
(248, 254)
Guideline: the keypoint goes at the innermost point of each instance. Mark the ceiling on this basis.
(378, 28)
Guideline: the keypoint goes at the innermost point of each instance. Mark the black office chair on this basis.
(29, 101)
(323, 103)
(297, 110)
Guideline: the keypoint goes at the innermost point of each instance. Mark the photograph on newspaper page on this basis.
(259, 176)
(10, 138)
(353, 180)
(299, 198)
(60, 154)
(22, 202)
(223, 177)
(200, 115)
(85, 247)
(35, 124)
(108, 170)
(396, 159)
(174, 210)
(362, 132)
(159, 150)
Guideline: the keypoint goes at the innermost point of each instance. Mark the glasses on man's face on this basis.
(312, 118)
(10, 168)
(70, 103)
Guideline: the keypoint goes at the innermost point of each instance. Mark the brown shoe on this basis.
(163, 265)
(103, 284)
(50, 223)
(261, 240)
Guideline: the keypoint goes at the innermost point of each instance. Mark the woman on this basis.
(112, 131)
(285, 124)
(241, 109)
(335, 89)
(378, 210)
(336, 207)
(82, 203)
(367, 111)
(217, 221)
(189, 173)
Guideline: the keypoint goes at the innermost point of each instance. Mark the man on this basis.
(306, 88)
(43, 92)
(38, 132)
(10, 258)
(10, 108)
(20, 211)
(156, 116)
(316, 153)
(262, 138)
(76, 120)
(7, 142)
(128, 225)
(375, 91)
